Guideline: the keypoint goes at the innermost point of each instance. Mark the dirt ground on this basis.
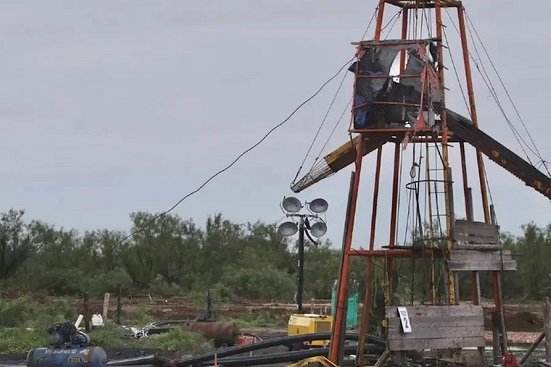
(525, 317)
(524, 322)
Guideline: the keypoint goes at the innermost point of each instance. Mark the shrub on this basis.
(19, 340)
(177, 340)
(261, 283)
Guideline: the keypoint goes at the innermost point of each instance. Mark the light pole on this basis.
(291, 207)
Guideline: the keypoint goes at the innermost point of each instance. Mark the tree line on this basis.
(172, 256)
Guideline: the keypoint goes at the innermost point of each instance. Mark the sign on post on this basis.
(404, 319)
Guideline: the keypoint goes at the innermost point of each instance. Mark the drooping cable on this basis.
(313, 168)
(241, 155)
(320, 127)
(334, 128)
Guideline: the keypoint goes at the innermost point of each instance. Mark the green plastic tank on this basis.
(352, 305)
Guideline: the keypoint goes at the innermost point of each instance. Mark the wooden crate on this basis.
(437, 327)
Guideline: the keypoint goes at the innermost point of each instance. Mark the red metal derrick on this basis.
(421, 135)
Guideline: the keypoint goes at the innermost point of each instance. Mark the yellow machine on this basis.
(300, 324)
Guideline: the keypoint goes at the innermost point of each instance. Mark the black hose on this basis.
(285, 340)
(282, 357)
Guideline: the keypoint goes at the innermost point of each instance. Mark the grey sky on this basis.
(110, 107)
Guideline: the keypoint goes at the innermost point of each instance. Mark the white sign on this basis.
(404, 319)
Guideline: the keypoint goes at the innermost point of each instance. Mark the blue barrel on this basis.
(67, 357)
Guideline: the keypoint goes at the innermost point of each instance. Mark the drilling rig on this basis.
(399, 106)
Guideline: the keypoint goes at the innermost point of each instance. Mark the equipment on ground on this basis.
(300, 324)
(68, 348)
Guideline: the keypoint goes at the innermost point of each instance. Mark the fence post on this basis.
(119, 306)
(106, 299)
(547, 328)
(86, 312)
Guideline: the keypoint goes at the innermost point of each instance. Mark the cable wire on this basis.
(370, 21)
(538, 154)
(320, 127)
(334, 129)
(455, 71)
(232, 163)
(328, 111)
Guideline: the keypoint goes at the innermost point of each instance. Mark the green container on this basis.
(352, 306)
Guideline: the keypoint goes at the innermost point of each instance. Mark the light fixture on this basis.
(318, 229)
(287, 229)
(292, 207)
(318, 206)
(291, 204)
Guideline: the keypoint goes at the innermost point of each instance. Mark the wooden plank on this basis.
(475, 232)
(440, 343)
(547, 328)
(472, 227)
(475, 238)
(483, 266)
(460, 255)
(421, 322)
(437, 332)
(437, 327)
(434, 311)
(478, 246)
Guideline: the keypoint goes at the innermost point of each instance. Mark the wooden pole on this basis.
(496, 338)
(532, 348)
(547, 328)
(86, 312)
(119, 306)
(106, 298)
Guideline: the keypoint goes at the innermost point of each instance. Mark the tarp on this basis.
(382, 99)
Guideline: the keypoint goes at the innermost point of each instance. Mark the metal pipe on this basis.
(531, 349)
(394, 214)
(340, 314)
(300, 270)
(380, 16)
(364, 324)
(439, 34)
(472, 104)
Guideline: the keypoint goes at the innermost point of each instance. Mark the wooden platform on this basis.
(436, 327)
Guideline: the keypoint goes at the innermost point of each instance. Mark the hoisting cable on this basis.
(538, 154)
(455, 71)
(327, 114)
(487, 81)
(320, 127)
(241, 155)
(394, 20)
(334, 129)
(495, 95)
(492, 91)
(370, 21)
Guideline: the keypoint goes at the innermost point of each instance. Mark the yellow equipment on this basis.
(300, 324)
(321, 361)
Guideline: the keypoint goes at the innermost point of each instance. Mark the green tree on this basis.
(16, 243)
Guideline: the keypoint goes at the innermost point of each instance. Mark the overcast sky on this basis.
(110, 107)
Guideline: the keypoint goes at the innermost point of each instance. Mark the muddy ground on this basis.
(525, 319)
